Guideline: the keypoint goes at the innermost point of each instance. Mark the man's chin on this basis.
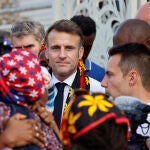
(63, 73)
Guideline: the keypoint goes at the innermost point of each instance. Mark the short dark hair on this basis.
(134, 56)
(86, 23)
(67, 26)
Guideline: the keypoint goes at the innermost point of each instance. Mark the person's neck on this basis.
(143, 95)
(63, 78)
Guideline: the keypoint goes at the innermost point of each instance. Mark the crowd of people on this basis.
(52, 97)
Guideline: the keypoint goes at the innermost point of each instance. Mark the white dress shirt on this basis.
(95, 86)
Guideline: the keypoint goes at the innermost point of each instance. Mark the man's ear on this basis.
(132, 77)
(81, 52)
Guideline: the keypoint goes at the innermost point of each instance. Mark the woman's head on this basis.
(21, 80)
(94, 123)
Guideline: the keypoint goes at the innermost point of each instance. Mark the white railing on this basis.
(107, 18)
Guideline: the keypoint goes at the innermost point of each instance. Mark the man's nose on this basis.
(62, 52)
(104, 82)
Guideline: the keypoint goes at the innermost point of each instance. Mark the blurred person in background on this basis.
(132, 30)
(88, 27)
(5, 42)
(30, 34)
(143, 13)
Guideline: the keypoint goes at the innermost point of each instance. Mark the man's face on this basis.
(27, 41)
(63, 53)
(114, 82)
(88, 42)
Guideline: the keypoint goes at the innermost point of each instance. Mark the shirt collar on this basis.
(68, 81)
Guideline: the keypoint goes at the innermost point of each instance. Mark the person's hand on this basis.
(20, 131)
(48, 118)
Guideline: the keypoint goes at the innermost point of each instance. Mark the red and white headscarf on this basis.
(21, 79)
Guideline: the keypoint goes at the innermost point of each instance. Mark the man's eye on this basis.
(55, 48)
(108, 74)
(29, 46)
(69, 48)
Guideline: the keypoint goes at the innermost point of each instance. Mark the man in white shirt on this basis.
(64, 41)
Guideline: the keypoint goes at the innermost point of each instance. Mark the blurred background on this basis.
(108, 14)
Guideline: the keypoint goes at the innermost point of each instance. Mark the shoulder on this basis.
(95, 86)
(140, 121)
